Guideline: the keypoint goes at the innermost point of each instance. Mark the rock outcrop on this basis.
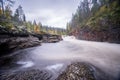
(110, 35)
(11, 40)
(84, 71)
(48, 38)
(77, 71)
(8, 45)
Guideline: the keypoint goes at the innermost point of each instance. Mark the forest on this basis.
(96, 20)
(16, 21)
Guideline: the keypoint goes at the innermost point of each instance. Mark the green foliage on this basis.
(5, 22)
(53, 30)
(101, 16)
(18, 20)
(3, 4)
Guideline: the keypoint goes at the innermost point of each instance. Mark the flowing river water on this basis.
(54, 57)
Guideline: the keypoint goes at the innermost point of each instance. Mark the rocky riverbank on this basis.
(47, 38)
(12, 40)
(8, 45)
(110, 35)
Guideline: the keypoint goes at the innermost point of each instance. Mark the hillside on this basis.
(101, 22)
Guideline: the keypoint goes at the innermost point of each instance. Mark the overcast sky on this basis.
(55, 13)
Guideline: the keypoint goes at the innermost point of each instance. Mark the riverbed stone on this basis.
(34, 74)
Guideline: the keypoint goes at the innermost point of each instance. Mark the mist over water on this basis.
(105, 56)
(55, 56)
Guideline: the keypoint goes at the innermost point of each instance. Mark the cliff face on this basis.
(112, 35)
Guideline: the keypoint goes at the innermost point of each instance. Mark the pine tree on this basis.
(4, 2)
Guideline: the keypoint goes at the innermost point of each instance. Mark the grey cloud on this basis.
(49, 12)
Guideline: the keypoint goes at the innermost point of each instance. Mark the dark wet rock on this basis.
(26, 75)
(8, 45)
(77, 71)
(111, 35)
(12, 40)
(39, 36)
(48, 38)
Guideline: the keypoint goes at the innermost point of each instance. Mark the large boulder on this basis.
(77, 71)
(84, 71)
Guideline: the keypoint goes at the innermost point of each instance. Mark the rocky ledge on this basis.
(8, 45)
(12, 40)
(48, 38)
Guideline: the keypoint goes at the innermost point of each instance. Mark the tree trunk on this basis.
(2, 2)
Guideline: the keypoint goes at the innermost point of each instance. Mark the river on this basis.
(55, 57)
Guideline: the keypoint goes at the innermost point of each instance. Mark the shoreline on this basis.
(12, 40)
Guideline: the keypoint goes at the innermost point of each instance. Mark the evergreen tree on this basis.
(4, 2)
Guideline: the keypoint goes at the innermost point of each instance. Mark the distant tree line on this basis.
(17, 20)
